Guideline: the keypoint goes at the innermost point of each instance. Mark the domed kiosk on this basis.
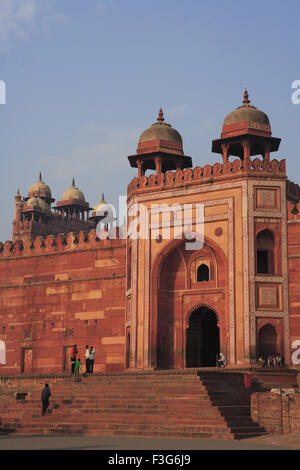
(246, 131)
(41, 190)
(103, 215)
(73, 194)
(37, 203)
(73, 206)
(160, 148)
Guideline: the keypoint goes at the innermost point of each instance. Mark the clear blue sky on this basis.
(85, 77)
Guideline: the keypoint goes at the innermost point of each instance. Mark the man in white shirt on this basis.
(87, 360)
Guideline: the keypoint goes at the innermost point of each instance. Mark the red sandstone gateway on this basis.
(151, 303)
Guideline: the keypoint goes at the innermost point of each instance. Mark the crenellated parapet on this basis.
(211, 173)
(51, 244)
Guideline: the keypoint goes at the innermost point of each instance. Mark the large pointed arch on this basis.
(221, 261)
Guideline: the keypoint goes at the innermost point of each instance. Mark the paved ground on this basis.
(112, 443)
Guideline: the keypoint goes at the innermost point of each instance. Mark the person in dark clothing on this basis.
(45, 398)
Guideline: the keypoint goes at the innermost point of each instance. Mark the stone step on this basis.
(38, 418)
(126, 395)
(141, 403)
(114, 409)
(163, 414)
(125, 429)
(246, 435)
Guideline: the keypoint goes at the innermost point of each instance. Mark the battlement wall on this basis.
(73, 241)
(257, 168)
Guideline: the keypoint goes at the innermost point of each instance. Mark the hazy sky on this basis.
(84, 78)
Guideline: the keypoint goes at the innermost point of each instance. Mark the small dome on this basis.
(248, 113)
(37, 203)
(39, 189)
(73, 193)
(160, 130)
(103, 208)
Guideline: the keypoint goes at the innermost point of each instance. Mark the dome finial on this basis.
(40, 177)
(160, 115)
(102, 197)
(246, 97)
(73, 182)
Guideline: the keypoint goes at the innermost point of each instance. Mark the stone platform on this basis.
(191, 403)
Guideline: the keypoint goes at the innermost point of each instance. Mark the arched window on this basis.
(202, 273)
(265, 252)
(2, 353)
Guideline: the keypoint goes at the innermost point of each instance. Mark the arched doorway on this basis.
(267, 341)
(202, 338)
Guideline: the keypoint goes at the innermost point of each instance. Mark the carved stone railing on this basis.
(59, 243)
(209, 173)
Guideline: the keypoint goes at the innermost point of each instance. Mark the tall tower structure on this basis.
(33, 214)
(186, 305)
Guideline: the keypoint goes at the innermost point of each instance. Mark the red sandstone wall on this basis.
(275, 415)
(294, 273)
(64, 292)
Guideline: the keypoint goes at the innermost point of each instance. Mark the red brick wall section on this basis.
(294, 272)
(59, 293)
(267, 411)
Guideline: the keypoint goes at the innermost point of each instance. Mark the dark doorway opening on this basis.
(262, 262)
(202, 338)
(26, 361)
(268, 341)
(265, 252)
(66, 366)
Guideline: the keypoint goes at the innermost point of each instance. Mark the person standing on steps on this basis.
(91, 360)
(87, 360)
(74, 353)
(45, 398)
(77, 370)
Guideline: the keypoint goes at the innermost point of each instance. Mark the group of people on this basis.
(75, 368)
(76, 362)
(274, 360)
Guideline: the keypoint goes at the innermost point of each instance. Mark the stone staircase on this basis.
(228, 393)
(186, 404)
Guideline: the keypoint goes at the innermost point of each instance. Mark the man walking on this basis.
(45, 398)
